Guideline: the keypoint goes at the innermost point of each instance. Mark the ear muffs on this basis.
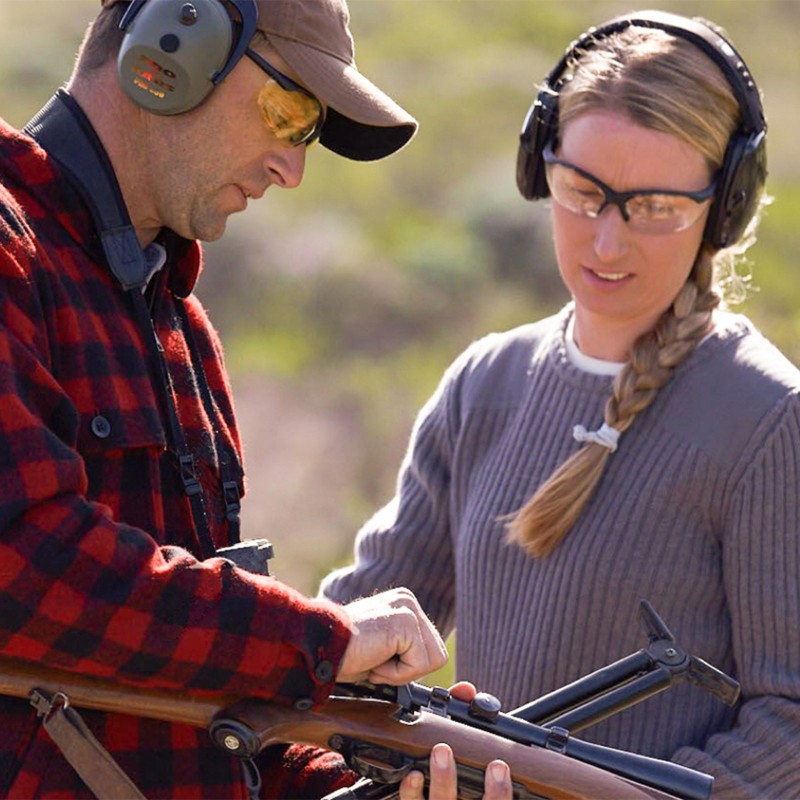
(540, 128)
(743, 173)
(175, 52)
(739, 186)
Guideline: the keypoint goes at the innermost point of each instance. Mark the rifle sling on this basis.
(93, 763)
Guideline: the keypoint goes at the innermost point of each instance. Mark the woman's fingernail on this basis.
(441, 756)
(415, 781)
(498, 770)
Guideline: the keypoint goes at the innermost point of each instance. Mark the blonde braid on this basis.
(556, 506)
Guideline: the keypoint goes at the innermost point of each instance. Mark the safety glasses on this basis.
(289, 110)
(656, 211)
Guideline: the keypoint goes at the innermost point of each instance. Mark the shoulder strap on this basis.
(93, 763)
(62, 129)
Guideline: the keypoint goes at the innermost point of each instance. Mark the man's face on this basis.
(211, 160)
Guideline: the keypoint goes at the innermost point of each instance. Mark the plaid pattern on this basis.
(98, 568)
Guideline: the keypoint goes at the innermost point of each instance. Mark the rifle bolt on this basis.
(231, 742)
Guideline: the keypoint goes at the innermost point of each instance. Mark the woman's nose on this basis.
(611, 234)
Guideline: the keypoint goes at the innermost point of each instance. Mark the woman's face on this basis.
(622, 280)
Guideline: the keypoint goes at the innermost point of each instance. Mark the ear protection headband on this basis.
(744, 168)
(175, 52)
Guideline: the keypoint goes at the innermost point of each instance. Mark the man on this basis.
(120, 472)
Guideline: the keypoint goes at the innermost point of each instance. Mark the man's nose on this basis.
(286, 166)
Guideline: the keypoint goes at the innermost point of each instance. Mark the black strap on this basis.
(184, 460)
(230, 469)
(64, 131)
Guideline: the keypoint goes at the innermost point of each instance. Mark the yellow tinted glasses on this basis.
(289, 110)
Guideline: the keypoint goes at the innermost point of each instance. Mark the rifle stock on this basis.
(357, 727)
(19, 678)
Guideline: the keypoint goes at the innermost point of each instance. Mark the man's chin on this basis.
(210, 230)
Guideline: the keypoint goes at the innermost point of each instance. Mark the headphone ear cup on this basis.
(538, 130)
(739, 188)
(172, 51)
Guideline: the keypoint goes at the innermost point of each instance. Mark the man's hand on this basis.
(393, 641)
(444, 782)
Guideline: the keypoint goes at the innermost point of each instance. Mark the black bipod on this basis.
(628, 681)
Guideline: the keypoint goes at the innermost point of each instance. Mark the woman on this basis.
(641, 444)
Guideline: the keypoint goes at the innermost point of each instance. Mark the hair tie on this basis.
(605, 435)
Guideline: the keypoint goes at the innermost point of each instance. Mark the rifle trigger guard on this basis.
(377, 773)
(381, 764)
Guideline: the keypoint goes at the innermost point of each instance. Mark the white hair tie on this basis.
(605, 435)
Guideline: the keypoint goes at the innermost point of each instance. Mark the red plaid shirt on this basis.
(98, 551)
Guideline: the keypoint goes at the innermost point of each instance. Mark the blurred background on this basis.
(340, 303)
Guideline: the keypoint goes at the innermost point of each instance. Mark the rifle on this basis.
(383, 732)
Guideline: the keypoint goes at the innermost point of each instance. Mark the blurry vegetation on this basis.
(353, 293)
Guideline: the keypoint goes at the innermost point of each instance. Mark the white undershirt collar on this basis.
(595, 366)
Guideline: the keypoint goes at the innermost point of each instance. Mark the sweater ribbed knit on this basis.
(697, 512)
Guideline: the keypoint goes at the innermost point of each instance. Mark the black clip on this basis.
(188, 476)
(230, 495)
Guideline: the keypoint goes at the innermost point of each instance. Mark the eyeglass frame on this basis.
(620, 199)
(287, 84)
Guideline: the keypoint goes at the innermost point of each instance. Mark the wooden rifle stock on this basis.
(19, 678)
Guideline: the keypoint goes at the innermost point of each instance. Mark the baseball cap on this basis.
(313, 38)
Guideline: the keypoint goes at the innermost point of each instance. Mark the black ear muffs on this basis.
(540, 128)
(743, 174)
(175, 52)
(739, 186)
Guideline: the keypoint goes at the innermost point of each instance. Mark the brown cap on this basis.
(313, 37)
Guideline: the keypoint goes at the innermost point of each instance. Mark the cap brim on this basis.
(362, 123)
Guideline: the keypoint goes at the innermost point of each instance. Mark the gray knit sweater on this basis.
(697, 512)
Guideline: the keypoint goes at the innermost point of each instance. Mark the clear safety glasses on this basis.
(645, 210)
(289, 110)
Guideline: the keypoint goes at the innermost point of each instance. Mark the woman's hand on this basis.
(444, 782)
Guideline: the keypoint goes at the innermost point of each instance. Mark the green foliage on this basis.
(775, 304)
